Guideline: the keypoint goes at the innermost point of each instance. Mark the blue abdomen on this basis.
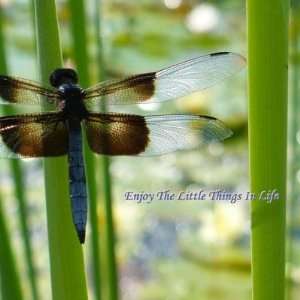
(77, 180)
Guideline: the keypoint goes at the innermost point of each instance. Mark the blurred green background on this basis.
(165, 250)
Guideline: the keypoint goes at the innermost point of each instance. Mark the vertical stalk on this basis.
(16, 170)
(294, 112)
(9, 279)
(268, 61)
(80, 42)
(294, 125)
(66, 259)
(113, 289)
(19, 186)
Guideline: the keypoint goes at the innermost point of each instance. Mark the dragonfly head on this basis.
(63, 76)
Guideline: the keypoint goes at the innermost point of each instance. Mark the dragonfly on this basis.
(59, 130)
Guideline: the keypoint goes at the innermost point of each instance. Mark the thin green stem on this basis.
(99, 42)
(10, 281)
(16, 170)
(79, 36)
(294, 154)
(268, 60)
(66, 259)
(110, 232)
(110, 253)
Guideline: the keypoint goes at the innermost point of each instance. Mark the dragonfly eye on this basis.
(62, 76)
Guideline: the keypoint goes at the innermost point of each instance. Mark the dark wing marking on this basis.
(118, 134)
(176, 81)
(37, 135)
(22, 91)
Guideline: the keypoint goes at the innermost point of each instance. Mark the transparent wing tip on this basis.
(238, 59)
(216, 131)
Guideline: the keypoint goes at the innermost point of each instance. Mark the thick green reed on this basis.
(66, 259)
(268, 78)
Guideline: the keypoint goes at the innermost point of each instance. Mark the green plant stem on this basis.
(79, 36)
(268, 61)
(10, 282)
(66, 259)
(110, 253)
(295, 31)
(16, 170)
(294, 153)
(109, 232)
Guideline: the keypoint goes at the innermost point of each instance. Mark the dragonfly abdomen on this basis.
(77, 180)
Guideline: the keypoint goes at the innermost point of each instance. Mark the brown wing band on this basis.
(141, 85)
(114, 134)
(42, 135)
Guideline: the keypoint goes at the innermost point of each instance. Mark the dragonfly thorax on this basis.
(72, 103)
(70, 91)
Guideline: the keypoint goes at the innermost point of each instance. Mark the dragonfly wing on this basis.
(38, 135)
(173, 82)
(118, 134)
(22, 91)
